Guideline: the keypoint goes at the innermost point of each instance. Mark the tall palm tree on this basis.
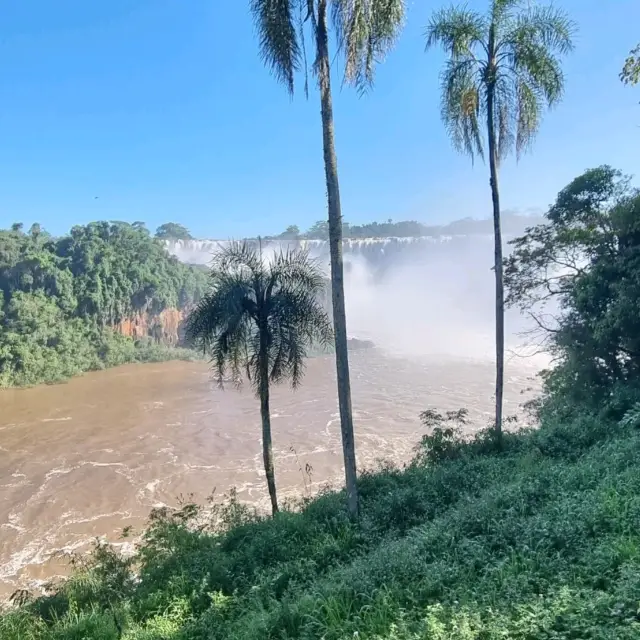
(502, 68)
(260, 319)
(364, 30)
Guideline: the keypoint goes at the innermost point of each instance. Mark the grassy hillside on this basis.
(541, 541)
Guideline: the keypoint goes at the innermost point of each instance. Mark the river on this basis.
(89, 457)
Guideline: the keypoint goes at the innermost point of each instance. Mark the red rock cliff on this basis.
(165, 327)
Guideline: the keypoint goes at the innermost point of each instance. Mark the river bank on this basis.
(89, 457)
(536, 541)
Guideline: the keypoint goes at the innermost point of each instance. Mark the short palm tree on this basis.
(259, 319)
(365, 30)
(502, 69)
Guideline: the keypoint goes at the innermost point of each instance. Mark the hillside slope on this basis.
(541, 541)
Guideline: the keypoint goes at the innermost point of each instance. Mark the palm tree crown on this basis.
(257, 305)
(365, 31)
(514, 53)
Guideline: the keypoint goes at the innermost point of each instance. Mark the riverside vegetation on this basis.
(536, 539)
(62, 299)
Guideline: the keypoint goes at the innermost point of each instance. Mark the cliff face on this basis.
(165, 327)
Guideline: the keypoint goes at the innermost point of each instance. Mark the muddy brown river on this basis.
(89, 457)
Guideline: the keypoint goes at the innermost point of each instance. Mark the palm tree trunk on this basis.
(267, 447)
(337, 270)
(497, 233)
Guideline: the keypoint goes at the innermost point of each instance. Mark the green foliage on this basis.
(172, 231)
(445, 439)
(61, 299)
(258, 308)
(365, 30)
(630, 73)
(536, 541)
(292, 232)
(505, 64)
(578, 275)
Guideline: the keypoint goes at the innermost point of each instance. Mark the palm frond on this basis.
(500, 10)
(545, 26)
(297, 322)
(461, 105)
(220, 324)
(457, 30)
(365, 31)
(278, 36)
(541, 70)
(505, 106)
(238, 257)
(255, 308)
(528, 116)
(298, 268)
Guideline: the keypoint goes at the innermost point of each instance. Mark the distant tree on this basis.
(141, 226)
(319, 231)
(502, 69)
(260, 318)
(35, 230)
(364, 31)
(17, 227)
(292, 232)
(173, 231)
(630, 73)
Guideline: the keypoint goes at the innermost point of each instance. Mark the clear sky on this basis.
(163, 110)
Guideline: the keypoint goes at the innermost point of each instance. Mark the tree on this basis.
(502, 68)
(578, 276)
(292, 232)
(35, 230)
(365, 30)
(630, 73)
(319, 231)
(260, 319)
(173, 231)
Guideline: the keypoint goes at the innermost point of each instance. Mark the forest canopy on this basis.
(61, 299)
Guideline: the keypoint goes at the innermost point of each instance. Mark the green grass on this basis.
(541, 541)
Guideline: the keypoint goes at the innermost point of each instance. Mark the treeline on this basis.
(512, 224)
(62, 299)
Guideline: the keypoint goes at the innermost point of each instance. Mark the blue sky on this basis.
(163, 110)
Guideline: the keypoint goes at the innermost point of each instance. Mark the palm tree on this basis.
(502, 69)
(365, 30)
(259, 319)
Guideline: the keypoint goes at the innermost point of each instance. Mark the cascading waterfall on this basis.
(376, 251)
(416, 296)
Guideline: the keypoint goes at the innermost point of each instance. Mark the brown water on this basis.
(87, 458)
